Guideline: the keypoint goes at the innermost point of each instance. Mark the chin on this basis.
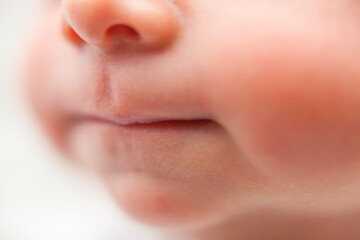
(159, 202)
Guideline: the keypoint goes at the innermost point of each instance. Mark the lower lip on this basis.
(140, 147)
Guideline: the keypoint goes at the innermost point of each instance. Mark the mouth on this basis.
(141, 122)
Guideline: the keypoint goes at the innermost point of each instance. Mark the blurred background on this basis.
(41, 197)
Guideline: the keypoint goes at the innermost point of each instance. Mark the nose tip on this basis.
(106, 24)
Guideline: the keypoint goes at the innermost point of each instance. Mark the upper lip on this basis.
(125, 103)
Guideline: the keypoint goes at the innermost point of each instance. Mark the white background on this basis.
(42, 198)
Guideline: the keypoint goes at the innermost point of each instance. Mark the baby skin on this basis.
(220, 119)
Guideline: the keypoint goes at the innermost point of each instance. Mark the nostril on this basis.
(70, 34)
(74, 36)
(121, 32)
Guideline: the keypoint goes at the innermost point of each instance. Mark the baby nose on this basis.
(106, 24)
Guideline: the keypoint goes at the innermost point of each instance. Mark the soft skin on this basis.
(255, 103)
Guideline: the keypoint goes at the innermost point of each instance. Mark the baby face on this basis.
(193, 111)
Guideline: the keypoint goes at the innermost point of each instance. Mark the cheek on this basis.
(38, 87)
(44, 85)
(302, 120)
(48, 68)
(290, 102)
